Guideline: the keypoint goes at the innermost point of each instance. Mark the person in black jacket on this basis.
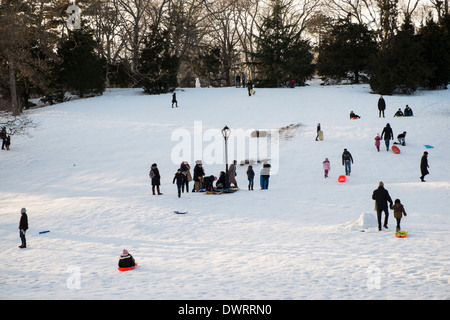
(347, 161)
(126, 260)
(424, 166)
(387, 135)
(23, 227)
(381, 106)
(382, 197)
(199, 173)
(156, 178)
(180, 179)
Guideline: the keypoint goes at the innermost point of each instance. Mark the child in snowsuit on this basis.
(250, 177)
(399, 212)
(180, 179)
(126, 260)
(377, 142)
(326, 167)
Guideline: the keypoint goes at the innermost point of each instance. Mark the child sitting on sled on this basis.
(126, 260)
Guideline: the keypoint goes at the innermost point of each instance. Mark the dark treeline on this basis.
(49, 48)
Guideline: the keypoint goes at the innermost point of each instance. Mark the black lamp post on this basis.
(226, 133)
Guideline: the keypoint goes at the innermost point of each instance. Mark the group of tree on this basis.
(49, 48)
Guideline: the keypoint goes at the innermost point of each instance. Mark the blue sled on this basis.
(46, 231)
(428, 146)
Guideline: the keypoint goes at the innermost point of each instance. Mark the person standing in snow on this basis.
(347, 161)
(174, 100)
(318, 131)
(199, 173)
(424, 166)
(232, 173)
(250, 88)
(388, 135)
(399, 212)
(179, 179)
(326, 167)
(382, 197)
(126, 260)
(381, 106)
(250, 177)
(23, 227)
(377, 142)
(265, 175)
(156, 178)
(186, 170)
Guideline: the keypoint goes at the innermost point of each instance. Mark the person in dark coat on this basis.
(381, 106)
(3, 136)
(401, 138)
(174, 100)
(250, 88)
(347, 161)
(399, 113)
(221, 182)
(387, 135)
(408, 112)
(382, 197)
(354, 115)
(23, 227)
(156, 178)
(180, 180)
(250, 177)
(424, 166)
(186, 170)
(126, 260)
(199, 173)
(208, 183)
(318, 129)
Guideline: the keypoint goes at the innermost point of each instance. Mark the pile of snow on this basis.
(84, 177)
(364, 222)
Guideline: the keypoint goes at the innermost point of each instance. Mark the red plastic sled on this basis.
(129, 268)
(395, 150)
(342, 179)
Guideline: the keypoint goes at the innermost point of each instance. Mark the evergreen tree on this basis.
(281, 54)
(81, 71)
(158, 64)
(346, 51)
(435, 40)
(399, 66)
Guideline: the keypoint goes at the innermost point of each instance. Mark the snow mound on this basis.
(365, 221)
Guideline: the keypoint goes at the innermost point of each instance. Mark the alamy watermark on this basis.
(73, 22)
(373, 278)
(243, 145)
(73, 282)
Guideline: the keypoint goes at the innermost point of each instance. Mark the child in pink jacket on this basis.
(377, 142)
(326, 167)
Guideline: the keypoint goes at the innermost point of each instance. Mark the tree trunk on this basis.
(13, 88)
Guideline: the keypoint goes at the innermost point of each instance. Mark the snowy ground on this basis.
(84, 177)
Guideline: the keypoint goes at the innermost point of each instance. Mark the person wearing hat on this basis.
(126, 260)
(326, 167)
(424, 166)
(347, 161)
(382, 197)
(23, 227)
(199, 173)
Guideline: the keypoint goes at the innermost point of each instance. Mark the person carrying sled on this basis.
(179, 178)
(126, 260)
(347, 161)
(23, 227)
(399, 212)
(388, 135)
(382, 197)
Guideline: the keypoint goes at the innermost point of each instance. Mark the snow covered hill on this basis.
(84, 177)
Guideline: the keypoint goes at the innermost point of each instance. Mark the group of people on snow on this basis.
(202, 182)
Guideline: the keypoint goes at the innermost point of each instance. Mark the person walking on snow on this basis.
(347, 161)
(399, 212)
(381, 106)
(179, 179)
(326, 167)
(23, 227)
(388, 135)
(174, 100)
(377, 142)
(424, 166)
(382, 197)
